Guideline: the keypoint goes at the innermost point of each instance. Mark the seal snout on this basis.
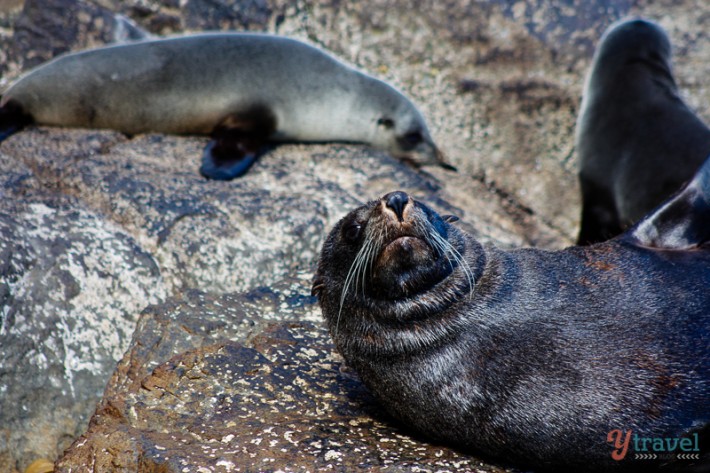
(396, 202)
(404, 243)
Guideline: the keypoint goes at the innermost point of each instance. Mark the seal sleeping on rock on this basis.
(527, 356)
(638, 142)
(243, 89)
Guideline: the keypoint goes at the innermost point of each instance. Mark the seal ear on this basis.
(682, 222)
(450, 218)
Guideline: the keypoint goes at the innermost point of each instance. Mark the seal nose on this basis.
(397, 201)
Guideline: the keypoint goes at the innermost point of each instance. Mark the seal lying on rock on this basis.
(530, 356)
(243, 89)
(638, 142)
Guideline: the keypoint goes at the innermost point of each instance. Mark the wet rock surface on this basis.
(113, 250)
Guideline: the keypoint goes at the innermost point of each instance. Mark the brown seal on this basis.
(638, 142)
(528, 356)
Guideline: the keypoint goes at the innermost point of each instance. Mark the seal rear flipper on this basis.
(237, 142)
(13, 118)
(682, 222)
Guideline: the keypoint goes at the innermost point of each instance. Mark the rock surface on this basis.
(268, 396)
(95, 227)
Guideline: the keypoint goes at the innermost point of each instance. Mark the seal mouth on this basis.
(401, 240)
(407, 250)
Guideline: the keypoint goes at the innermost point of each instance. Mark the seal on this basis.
(243, 89)
(528, 356)
(638, 142)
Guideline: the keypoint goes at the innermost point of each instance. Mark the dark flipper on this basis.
(237, 142)
(221, 163)
(13, 118)
(682, 222)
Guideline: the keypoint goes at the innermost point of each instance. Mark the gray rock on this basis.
(71, 284)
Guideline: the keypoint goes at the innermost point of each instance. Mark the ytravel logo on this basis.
(653, 448)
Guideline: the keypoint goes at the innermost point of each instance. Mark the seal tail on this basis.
(683, 221)
(13, 118)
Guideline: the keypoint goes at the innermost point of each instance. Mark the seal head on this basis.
(384, 256)
(401, 128)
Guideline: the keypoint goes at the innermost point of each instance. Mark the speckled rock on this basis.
(95, 226)
(71, 286)
(211, 385)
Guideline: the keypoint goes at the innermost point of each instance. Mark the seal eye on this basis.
(386, 122)
(351, 232)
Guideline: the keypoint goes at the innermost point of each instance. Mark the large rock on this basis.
(211, 385)
(96, 226)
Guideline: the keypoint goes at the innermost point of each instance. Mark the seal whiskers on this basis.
(356, 273)
(449, 252)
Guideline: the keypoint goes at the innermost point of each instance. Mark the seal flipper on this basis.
(237, 142)
(682, 222)
(13, 118)
(600, 218)
(224, 160)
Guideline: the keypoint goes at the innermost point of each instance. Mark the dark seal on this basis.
(638, 142)
(538, 358)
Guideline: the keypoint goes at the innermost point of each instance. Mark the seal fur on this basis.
(638, 142)
(241, 88)
(526, 356)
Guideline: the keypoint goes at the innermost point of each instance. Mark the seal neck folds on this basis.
(394, 266)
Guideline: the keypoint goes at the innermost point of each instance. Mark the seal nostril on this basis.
(397, 201)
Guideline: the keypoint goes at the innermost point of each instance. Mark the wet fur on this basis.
(548, 353)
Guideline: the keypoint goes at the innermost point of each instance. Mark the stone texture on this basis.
(96, 226)
(211, 385)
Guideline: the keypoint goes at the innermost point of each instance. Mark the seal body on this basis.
(638, 142)
(242, 88)
(526, 356)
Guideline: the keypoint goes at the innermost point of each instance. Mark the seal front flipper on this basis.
(682, 222)
(600, 217)
(224, 160)
(237, 142)
(13, 118)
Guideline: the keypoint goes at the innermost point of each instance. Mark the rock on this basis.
(71, 286)
(233, 392)
(96, 226)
